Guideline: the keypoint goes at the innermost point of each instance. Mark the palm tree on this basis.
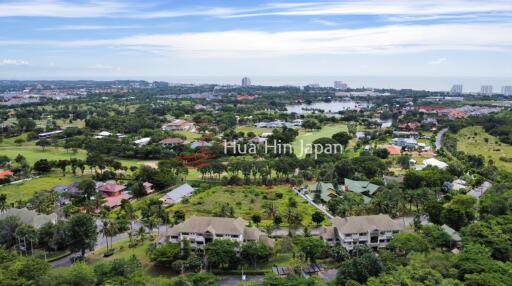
(3, 202)
(130, 214)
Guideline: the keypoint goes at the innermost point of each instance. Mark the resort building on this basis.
(177, 195)
(201, 230)
(375, 231)
(29, 217)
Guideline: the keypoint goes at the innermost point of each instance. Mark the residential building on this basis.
(246, 82)
(177, 195)
(340, 85)
(408, 126)
(143, 141)
(486, 90)
(456, 89)
(5, 174)
(200, 144)
(113, 193)
(506, 90)
(50, 134)
(201, 230)
(375, 231)
(480, 190)
(394, 150)
(405, 142)
(29, 217)
(325, 191)
(179, 125)
(364, 188)
(456, 240)
(435, 163)
(171, 142)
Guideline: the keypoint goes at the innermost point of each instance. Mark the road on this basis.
(439, 138)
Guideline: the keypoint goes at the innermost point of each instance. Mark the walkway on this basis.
(317, 206)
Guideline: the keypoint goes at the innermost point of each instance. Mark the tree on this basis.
(405, 243)
(459, 212)
(165, 255)
(82, 233)
(359, 269)
(311, 247)
(78, 274)
(222, 254)
(317, 217)
(88, 188)
(42, 166)
(436, 236)
(19, 141)
(342, 138)
(138, 189)
(256, 218)
(8, 228)
(43, 143)
(311, 124)
(255, 252)
(3, 202)
(382, 153)
(43, 201)
(344, 169)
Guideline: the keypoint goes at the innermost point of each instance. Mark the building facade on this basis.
(486, 90)
(246, 82)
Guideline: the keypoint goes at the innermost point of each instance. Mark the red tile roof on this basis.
(111, 188)
(172, 141)
(4, 174)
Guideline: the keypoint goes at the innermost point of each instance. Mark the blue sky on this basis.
(160, 39)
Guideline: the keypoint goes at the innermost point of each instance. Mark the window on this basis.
(185, 233)
(234, 236)
(362, 233)
(174, 237)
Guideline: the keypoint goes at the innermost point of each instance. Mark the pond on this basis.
(328, 107)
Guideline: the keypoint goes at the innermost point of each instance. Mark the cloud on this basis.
(324, 22)
(89, 27)
(62, 9)
(401, 9)
(437, 62)
(393, 39)
(11, 62)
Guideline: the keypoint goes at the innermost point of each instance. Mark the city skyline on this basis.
(343, 39)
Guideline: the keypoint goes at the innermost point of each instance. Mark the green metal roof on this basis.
(361, 187)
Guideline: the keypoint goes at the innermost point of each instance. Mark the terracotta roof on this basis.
(111, 188)
(5, 173)
(393, 150)
(172, 141)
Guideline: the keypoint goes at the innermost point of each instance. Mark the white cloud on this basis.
(88, 27)
(61, 9)
(324, 22)
(437, 61)
(388, 39)
(11, 62)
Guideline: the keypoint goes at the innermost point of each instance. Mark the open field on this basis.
(25, 190)
(34, 153)
(472, 140)
(307, 137)
(258, 131)
(245, 201)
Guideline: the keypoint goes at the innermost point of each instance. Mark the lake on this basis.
(328, 107)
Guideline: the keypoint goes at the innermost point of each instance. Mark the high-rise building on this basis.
(506, 90)
(340, 85)
(246, 81)
(456, 89)
(486, 90)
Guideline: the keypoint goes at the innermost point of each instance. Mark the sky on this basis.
(420, 43)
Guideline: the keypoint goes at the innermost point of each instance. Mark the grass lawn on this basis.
(307, 137)
(246, 201)
(34, 153)
(258, 131)
(471, 140)
(190, 135)
(122, 251)
(25, 190)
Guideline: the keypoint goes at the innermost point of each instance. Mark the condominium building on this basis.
(246, 82)
(340, 85)
(201, 230)
(486, 90)
(506, 90)
(373, 230)
(456, 89)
